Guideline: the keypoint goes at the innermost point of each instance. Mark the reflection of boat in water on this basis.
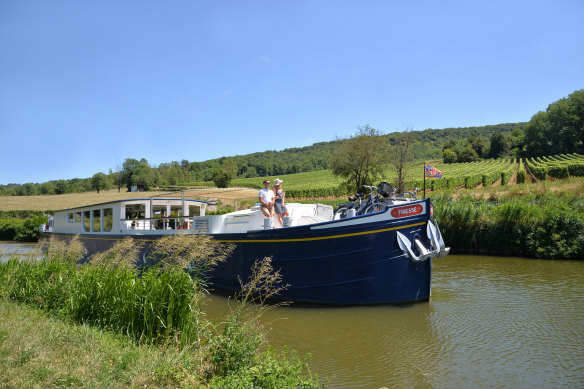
(376, 258)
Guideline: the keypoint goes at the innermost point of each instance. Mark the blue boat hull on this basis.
(338, 262)
(360, 265)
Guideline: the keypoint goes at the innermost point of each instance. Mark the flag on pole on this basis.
(431, 171)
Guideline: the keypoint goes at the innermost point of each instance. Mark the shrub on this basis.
(543, 227)
(576, 169)
(9, 227)
(521, 176)
(558, 171)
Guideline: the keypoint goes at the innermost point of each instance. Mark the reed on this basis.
(161, 305)
(539, 226)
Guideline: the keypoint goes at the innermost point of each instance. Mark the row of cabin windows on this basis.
(138, 211)
(133, 211)
(97, 220)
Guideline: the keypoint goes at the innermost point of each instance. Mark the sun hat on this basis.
(277, 182)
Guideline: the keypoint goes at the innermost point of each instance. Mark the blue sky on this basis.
(86, 84)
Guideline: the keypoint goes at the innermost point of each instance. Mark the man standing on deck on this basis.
(267, 199)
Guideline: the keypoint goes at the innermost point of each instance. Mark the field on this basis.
(323, 184)
(64, 201)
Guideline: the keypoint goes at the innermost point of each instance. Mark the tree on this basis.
(99, 181)
(468, 154)
(560, 129)
(360, 159)
(221, 177)
(400, 153)
(137, 173)
(535, 135)
(479, 145)
(498, 145)
(449, 156)
(61, 187)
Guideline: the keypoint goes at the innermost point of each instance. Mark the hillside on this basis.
(428, 145)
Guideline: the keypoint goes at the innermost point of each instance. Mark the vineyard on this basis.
(323, 183)
(559, 166)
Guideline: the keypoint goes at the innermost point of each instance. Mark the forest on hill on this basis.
(557, 130)
(428, 144)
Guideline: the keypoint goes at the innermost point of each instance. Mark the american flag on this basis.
(431, 171)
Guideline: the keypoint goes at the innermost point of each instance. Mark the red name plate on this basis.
(410, 210)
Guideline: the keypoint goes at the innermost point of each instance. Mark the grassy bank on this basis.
(125, 326)
(40, 350)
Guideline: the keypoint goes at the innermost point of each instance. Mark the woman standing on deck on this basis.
(279, 206)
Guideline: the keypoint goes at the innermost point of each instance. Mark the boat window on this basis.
(87, 221)
(108, 219)
(175, 211)
(96, 220)
(70, 218)
(77, 217)
(158, 212)
(194, 210)
(136, 211)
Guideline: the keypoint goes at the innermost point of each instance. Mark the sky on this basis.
(87, 84)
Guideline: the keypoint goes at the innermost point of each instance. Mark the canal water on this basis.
(491, 322)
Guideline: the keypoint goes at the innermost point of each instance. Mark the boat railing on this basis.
(159, 223)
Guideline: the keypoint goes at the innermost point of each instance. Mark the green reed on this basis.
(162, 305)
(533, 226)
(154, 304)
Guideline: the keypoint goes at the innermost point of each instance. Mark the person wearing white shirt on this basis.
(266, 197)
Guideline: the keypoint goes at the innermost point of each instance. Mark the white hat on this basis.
(277, 182)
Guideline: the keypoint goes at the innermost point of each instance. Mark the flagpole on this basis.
(424, 179)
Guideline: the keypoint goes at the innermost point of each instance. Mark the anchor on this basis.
(438, 249)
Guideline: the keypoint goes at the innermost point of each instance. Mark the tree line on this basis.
(559, 129)
(141, 174)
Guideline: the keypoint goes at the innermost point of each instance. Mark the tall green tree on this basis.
(400, 153)
(137, 173)
(99, 181)
(498, 145)
(361, 158)
(560, 129)
(223, 175)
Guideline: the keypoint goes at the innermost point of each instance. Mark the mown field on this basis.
(70, 200)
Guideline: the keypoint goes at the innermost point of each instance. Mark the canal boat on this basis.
(382, 257)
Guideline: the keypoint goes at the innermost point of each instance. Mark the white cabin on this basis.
(156, 216)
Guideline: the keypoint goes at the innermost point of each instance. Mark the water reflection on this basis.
(8, 249)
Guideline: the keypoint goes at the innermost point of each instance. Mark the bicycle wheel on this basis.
(341, 212)
(376, 207)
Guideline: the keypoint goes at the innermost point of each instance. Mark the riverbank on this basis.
(158, 311)
(40, 350)
(535, 226)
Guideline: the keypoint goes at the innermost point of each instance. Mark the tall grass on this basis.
(161, 305)
(545, 226)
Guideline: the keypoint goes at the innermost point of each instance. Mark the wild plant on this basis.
(123, 254)
(237, 342)
(195, 253)
(60, 249)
